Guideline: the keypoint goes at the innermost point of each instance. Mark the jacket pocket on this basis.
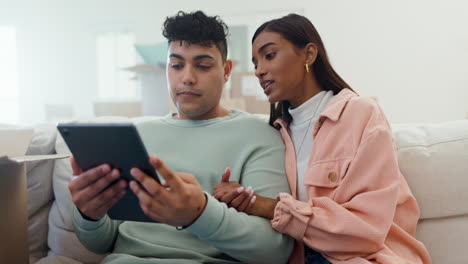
(328, 174)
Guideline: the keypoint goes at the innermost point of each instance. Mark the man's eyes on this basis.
(178, 66)
(204, 67)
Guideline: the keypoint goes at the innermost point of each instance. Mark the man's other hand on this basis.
(89, 193)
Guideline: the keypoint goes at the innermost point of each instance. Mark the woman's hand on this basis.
(234, 195)
(243, 199)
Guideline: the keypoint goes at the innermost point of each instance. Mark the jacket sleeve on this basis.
(360, 222)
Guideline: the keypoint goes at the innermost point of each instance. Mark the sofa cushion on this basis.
(39, 186)
(445, 238)
(38, 229)
(57, 260)
(40, 172)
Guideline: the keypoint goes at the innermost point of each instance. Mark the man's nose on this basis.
(189, 77)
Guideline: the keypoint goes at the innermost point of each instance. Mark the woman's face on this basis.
(279, 66)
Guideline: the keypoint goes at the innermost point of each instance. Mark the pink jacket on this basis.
(360, 208)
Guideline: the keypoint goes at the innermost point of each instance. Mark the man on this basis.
(202, 138)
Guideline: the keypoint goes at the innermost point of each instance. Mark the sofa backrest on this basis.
(434, 160)
(432, 157)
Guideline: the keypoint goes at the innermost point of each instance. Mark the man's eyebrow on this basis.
(196, 58)
(173, 55)
(262, 48)
(204, 56)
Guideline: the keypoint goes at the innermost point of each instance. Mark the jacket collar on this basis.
(333, 111)
(337, 105)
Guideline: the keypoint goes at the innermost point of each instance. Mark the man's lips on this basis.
(188, 93)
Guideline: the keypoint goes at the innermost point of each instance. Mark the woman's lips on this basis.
(266, 85)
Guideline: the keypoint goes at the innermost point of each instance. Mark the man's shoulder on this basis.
(146, 125)
(145, 120)
(257, 121)
(248, 117)
(254, 127)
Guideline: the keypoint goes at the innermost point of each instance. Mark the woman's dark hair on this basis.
(299, 31)
(197, 28)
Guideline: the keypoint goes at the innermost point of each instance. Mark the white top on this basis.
(301, 128)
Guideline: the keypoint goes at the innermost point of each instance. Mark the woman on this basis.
(349, 202)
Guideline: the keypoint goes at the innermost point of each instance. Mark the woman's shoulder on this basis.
(359, 102)
(363, 105)
(365, 111)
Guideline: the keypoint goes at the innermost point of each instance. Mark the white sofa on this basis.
(433, 158)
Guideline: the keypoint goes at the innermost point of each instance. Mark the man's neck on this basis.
(214, 113)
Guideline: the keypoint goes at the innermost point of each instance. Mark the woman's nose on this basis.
(259, 71)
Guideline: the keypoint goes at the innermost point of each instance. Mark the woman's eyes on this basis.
(270, 55)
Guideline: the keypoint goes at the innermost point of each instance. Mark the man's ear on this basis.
(227, 70)
(311, 52)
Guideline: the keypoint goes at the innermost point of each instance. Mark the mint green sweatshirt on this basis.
(255, 153)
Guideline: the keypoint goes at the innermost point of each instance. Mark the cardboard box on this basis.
(13, 193)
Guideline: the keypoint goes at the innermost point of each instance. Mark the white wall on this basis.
(412, 55)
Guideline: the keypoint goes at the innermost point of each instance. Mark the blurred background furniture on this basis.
(117, 108)
(55, 113)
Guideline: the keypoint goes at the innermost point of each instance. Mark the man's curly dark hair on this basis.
(197, 28)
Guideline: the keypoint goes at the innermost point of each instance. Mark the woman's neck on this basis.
(308, 89)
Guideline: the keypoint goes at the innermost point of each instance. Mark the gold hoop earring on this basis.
(307, 67)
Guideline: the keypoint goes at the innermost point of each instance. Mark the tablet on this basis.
(118, 145)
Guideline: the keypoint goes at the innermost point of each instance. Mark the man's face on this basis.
(196, 76)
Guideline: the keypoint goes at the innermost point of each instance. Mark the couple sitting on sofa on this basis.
(346, 201)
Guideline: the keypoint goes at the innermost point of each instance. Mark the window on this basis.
(116, 51)
(8, 76)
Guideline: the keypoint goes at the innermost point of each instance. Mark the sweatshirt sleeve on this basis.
(245, 237)
(360, 222)
(97, 236)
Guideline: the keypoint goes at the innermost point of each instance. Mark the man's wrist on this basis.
(200, 210)
(85, 217)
